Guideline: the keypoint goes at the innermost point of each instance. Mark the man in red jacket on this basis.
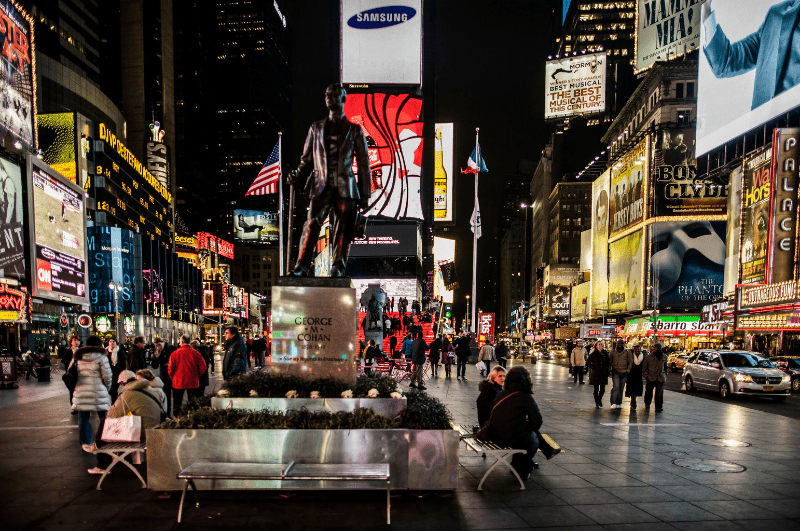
(185, 367)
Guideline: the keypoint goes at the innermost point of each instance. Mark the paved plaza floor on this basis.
(617, 472)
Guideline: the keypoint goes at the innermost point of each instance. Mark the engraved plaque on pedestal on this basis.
(314, 328)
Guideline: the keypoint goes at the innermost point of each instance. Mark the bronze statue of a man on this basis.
(327, 165)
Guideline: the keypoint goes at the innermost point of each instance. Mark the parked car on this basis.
(737, 372)
(790, 366)
(677, 360)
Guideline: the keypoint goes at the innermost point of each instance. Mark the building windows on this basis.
(679, 90)
(690, 89)
(684, 116)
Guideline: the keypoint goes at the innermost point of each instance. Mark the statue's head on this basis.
(335, 96)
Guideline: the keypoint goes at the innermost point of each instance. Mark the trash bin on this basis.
(43, 373)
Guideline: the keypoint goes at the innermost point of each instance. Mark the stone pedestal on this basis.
(314, 328)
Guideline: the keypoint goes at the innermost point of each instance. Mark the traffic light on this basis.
(448, 311)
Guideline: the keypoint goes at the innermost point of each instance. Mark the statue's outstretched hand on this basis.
(291, 177)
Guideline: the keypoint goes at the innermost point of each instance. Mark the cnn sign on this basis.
(485, 327)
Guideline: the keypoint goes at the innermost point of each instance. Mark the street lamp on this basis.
(467, 318)
(116, 287)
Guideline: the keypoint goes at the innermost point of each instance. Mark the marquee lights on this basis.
(767, 294)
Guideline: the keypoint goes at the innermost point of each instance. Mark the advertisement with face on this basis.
(625, 272)
(393, 130)
(575, 86)
(58, 240)
(556, 301)
(734, 231)
(677, 191)
(12, 252)
(600, 188)
(687, 262)
(665, 30)
(16, 75)
(381, 43)
(255, 226)
(748, 68)
(756, 194)
(627, 189)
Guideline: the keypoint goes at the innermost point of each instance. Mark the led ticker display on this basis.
(58, 241)
(132, 196)
(17, 78)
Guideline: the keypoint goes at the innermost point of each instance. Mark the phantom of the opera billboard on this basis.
(665, 30)
(628, 189)
(600, 188)
(748, 67)
(393, 129)
(575, 86)
(687, 263)
(676, 189)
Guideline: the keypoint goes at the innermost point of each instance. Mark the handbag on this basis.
(483, 433)
(71, 377)
(127, 428)
(480, 366)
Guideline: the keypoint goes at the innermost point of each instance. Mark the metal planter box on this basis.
(419, 459)
(388, 407)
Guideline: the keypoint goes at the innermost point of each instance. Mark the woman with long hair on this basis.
(448, 356)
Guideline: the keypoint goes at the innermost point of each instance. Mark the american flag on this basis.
(269, 177)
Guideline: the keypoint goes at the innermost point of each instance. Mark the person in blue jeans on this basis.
(621, 363)
(91, 389)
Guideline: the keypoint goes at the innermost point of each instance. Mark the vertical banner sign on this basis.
(485, 327)
(575, 86)
(17, 78)
(783, 216)
(12, 247)
(665, 30)
(756, 194)
(625, 272)
(627, 189)
(443, 173)
(600, 189)
(734, 231)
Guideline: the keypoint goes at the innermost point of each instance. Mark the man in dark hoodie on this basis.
(235, 361)
(654, 368)
(418, 349)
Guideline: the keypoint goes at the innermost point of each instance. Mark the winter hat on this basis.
(124, 376)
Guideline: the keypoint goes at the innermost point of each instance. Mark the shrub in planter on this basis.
(268, 385)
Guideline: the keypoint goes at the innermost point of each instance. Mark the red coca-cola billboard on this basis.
(485, 327)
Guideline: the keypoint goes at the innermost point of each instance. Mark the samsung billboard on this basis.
(381, 42)
(749, 69)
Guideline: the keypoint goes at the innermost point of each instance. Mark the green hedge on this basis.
(269, 385)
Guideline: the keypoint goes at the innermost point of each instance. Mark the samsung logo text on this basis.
(381, 17)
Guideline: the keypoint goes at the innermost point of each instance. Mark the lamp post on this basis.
(469, 323)
(116, 287)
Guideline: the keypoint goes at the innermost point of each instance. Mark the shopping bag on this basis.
(122, 429)
(480, 366)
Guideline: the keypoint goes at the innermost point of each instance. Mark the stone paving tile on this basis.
(769, 525)
(737, 510)
(504, 518)
(642, 494)
(677, 511)
(616, 513)
(695, 493)
(586, 496)
(559, 516)
(721, 525)
(644, 526)
(789, 508)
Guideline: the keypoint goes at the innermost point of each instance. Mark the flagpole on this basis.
(475, 236)
(280, 208)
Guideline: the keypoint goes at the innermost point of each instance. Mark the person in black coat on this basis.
(633, 386)
(489, 389)
(393, 344)
(203, 350)
(598, 363)
(433, 356)
(515, 420)
(501, 353)
(118, 363)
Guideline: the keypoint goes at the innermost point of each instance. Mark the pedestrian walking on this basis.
(91, 390)
(433, 356)
(577, 362)
(448, 356)
(462, 355)
(407, 347)
(418, 349)
(633, 386)
(160, 361)
(235, 361)
(621, 363)
(259, 347)
(489, 388)
(486, 355)
(116, 359)
(186, 365)
(67, 357)
(654, 368)
(393, 344)
(501, 353)
(203, 350)
(598, 372)
(370, 353)
(135, 358)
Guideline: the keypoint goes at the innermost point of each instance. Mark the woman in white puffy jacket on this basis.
(91, 391)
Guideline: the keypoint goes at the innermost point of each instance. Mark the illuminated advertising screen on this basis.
(556, 301)
(676, 189)
(444, 252)
(485, 327)
(783, 224)
(130, 195)
(756, 195)
(12, 250)
(625, 261)
(748, 68)
(58, 235)
(255, 226)
(17, 78)
(443, 173)
(393, 287)
(600, 210)
(665, 30)
(575, 86)
(214, 244)
(628, 189)
(386, 240)
(112, 258)
(381, 43)
(392, 126)
(734, 231)
(687, 263)
(580, 302)
(58, 141)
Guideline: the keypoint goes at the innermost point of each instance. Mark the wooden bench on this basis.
(290, 472)
(118, 453)
(499, 453)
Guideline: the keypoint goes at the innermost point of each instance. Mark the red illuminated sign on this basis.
(44, 275)
(215, 245)
(12, 304)
(485, 327)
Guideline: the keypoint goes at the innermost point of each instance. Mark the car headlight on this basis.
(739, 377)
(786, 379)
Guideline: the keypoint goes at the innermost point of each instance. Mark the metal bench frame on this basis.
(500, 454)
(291, 471)
(118, 453)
